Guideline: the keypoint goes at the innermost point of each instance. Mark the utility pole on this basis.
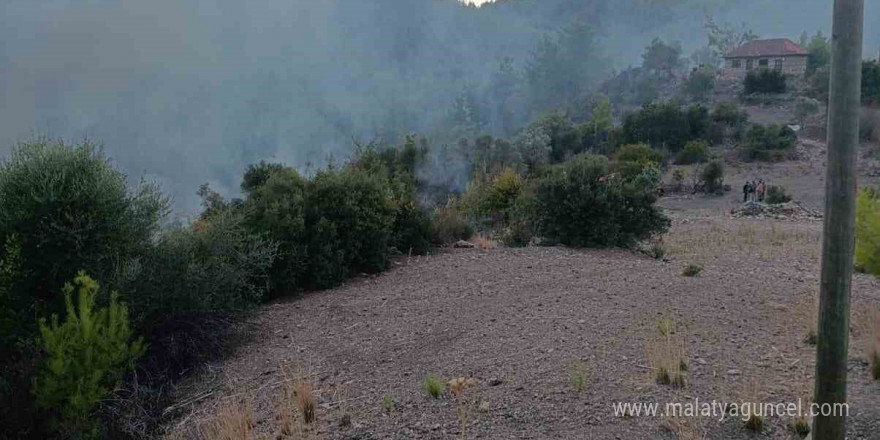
(839, 229)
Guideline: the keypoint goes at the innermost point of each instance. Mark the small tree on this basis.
(86, 356)
(805, 107)
(693, 152)
(713, 177)
(700, 84)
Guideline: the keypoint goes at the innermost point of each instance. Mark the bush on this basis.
(772, 143)
(805, 107)
(693, 152)
(700, 84)
(728, 121)
(579, 204)
(869, 125)
(86, 356)
(666, 125)
(691, 270)
(213, 267)
(776, 195)
(764, 80)
(712, 177)
(349, 215)
(867, 254)
(275, 208)
(69, 210)
(448, 226)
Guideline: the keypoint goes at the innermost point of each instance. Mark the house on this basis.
(780, 54)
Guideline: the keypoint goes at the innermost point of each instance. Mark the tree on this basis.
(819, 48)
(700, 83)
(662, 57)
(723, 37)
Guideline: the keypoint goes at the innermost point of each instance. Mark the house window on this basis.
(764, 62)
(736, 64)
(750, 64)
(777, 65)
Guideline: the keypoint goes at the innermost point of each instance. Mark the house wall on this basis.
(791, 65)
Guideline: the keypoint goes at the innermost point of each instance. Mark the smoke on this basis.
(186, 92)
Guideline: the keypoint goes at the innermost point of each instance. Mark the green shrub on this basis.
(666, 125)
(212, 267)
(728, 121)
(87, 355)
(633, 159)
(433, 386)
(712, 177)
(700, 84)
(448, 226)
(867, 254)
(805, 107)
(693, 152)
(580, 204)
(275, 208)
(771, 143)
(349, 216)
(691, 270)
(776, 195)
(764, 80)
(70, 210)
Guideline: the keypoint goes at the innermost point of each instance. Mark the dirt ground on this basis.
(523, 321)
(554, 337)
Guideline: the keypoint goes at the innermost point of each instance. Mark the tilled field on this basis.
(529, 324)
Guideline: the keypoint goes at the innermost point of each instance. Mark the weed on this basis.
(234, 421)
(655, 249)
(457, 387)
(578, 378)
(432, 386)
(666, 327)
(811, 337)
(389, 404)
(755, 420)
(801, 426)
(483, 242)
(679, 381)
(668, 356)
(305, 400)
(662, 376)
(691, 270)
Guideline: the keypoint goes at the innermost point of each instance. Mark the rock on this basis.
(494, 382)
(461, 244)
(733, 372)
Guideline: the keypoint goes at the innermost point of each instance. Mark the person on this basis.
(762, 188)
(746, 191)
(753, 187)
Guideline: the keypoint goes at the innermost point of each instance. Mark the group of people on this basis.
(754, 191)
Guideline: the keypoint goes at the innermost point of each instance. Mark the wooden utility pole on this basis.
(839, 229)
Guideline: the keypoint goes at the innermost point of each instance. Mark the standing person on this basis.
(746, 191)
(753, 187)
(762, 188)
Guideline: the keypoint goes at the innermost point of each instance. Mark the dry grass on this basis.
(433, 386)
(233, 421)
(667, 355)
(685, 428)
(867, 332)
(752, 397)
(578, 376)
(457, 387)
(702, 241)
(483, 242)
(296, 408)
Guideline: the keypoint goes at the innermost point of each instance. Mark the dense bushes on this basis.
(667, 125)
(212, 267)
(579, 203)
(867, 253)
(349, 218)
(765, 80)
(69, 209)
(700, 84)
(693, 152)
(771, 143)
(87, 355)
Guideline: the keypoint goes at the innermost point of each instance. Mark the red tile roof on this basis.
(767, 48)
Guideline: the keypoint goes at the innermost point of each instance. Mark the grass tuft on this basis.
(433, 386)
(389, 404)
(691, 270)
